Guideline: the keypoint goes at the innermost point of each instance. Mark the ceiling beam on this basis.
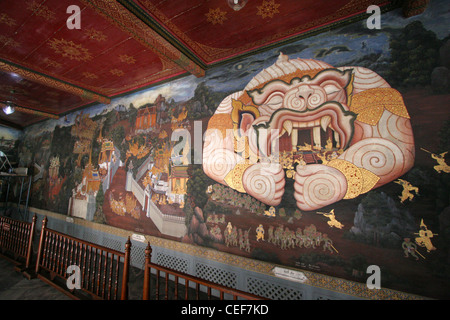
(10, 124)
(48, 81)
(35, 112)
(160, 28)
(27, 110)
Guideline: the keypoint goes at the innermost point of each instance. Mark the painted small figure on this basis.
(407, 188)
(260, 233)
(332, 222)
(442, 165)
(270, 212)
(424, 237)
(409, 248)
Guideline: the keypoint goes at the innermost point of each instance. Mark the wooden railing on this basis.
(169, 281)
(16, 237)
(99, 272)
(102, 272)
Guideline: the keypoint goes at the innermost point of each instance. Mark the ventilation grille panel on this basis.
(272, 291)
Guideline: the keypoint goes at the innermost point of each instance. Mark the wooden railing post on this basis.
(41, 244)
(1, 232)
(30, 242)
(125, 275)
(147, 273)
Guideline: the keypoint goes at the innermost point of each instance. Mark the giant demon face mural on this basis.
(339, 132)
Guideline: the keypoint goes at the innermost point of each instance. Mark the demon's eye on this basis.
(274, 98)
(331, 87)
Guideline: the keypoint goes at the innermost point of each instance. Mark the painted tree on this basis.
(99, 217)
(414, 55)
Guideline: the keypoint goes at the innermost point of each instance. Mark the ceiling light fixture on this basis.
(237, 5)
(8, 108)
(15, 76)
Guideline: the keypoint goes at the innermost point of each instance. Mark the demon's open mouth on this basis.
(326, 127)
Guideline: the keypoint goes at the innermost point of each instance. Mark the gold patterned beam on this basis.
(32, 111)
(37, 113)
(52, 82)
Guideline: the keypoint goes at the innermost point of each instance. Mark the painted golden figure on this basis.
(229, 227)
(424, 237)
(260, 233)
(442, 166)
(332, 222)
(407, 188)
(287, 161)
(270, 212)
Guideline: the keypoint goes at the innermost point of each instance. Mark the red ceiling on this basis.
(223, 32)
(125, 45)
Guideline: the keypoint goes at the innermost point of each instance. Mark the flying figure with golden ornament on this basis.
(332, 222)
(407, 188)
(442, 166)
(424, 237)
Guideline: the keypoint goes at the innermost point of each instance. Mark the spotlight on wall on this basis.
(237, 5)
(8, 108)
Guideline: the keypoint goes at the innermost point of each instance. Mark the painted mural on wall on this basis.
(9, 139)
(328, 154)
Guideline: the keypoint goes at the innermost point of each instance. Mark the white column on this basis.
(316, 137)
(336, 138)
(294, 139)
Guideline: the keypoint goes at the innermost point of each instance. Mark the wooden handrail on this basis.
(30, 242)
(98, 265)
(17, 237)
(125, 274)
(188, 279)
